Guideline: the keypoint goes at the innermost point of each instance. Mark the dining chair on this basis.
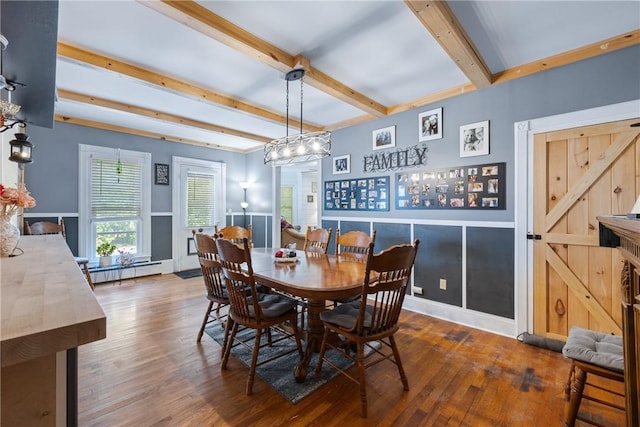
(317, 240)
(354, 241)
(213, 281)
(374, 317)
(46, 227)
(253, 310)
(235, 233)
(598, 355)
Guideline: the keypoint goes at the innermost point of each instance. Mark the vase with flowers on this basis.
(11, 199)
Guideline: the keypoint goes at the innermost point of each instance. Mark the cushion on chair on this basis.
(346, 315)
(273, 305)
(596, 348)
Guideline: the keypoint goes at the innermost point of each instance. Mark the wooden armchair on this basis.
(374, 317)
(213, 281)
(251, 309)
(46, 227)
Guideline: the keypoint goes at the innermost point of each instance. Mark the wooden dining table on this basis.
(316, 278)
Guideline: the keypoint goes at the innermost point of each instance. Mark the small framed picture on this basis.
(430, 125)
(162, 174)
(384, 138)
(342, 164)
(474, 139)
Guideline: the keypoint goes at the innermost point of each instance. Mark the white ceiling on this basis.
(379, 49)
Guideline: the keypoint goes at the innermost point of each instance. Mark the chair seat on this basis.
(273, 305)
(346, 315)
(596, 348)
(81, 260)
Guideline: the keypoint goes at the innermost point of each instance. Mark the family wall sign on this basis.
(394, 160)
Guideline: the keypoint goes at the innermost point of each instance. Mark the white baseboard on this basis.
(474, 319)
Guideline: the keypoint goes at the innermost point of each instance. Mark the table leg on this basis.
(314, 332)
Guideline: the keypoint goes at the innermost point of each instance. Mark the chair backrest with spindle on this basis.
(387, 275)
(354, 242)
(235, 233)
(237, 271)
(317, 240)
(211, 268)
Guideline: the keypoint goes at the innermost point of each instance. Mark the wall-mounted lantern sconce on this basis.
(21, 149)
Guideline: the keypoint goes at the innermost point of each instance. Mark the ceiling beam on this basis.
(172, 84)
(141, 111)
(575, 55)
(138, 132)
(440, 21)
(201, 19)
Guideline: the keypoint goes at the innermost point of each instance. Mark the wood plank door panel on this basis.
(579, 174)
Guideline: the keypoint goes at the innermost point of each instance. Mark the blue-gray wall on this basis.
(604, 80)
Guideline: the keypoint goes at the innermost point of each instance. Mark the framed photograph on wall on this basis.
(384, 138)
(342, 164)
(162, 174)
(474, 139)
(430, 125)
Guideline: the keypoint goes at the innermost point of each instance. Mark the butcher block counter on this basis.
(47, 310)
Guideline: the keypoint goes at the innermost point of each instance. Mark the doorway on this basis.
(199, 203)
(299, 202)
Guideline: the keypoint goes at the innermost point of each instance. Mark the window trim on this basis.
(85, 229)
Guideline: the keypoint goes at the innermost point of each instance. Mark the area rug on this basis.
(279, 373)
(188, 274)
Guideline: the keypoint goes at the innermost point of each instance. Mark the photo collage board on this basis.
(357, 194)
(462, 187)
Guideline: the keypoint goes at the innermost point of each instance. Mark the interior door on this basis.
(579, 174)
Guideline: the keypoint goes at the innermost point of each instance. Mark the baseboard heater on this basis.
(116, 273)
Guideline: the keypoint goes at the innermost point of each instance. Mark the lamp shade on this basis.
(21, 149)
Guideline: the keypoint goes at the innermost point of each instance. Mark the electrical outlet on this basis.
(417, 290)
(443, 284)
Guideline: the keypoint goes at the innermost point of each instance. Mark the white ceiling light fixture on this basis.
(304, 147)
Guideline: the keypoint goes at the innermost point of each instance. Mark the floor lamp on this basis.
(244, 204)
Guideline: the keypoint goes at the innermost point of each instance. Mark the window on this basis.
(201, 200)
(115, 200)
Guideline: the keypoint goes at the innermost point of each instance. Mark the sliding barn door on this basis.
(579, 174)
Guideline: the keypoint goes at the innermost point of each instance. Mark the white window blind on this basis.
(116, 191)
(201, 197)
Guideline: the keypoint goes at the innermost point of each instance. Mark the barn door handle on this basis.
(534, 236)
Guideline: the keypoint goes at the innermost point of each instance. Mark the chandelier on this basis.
(304, 147)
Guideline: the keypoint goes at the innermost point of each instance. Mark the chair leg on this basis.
(396, 356)
(577, 388)
(87, 274)
(228, 341)
(204, 321)
(362, 380)
(254, 361)
(323, 348)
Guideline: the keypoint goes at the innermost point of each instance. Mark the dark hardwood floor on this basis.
(150, 372)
